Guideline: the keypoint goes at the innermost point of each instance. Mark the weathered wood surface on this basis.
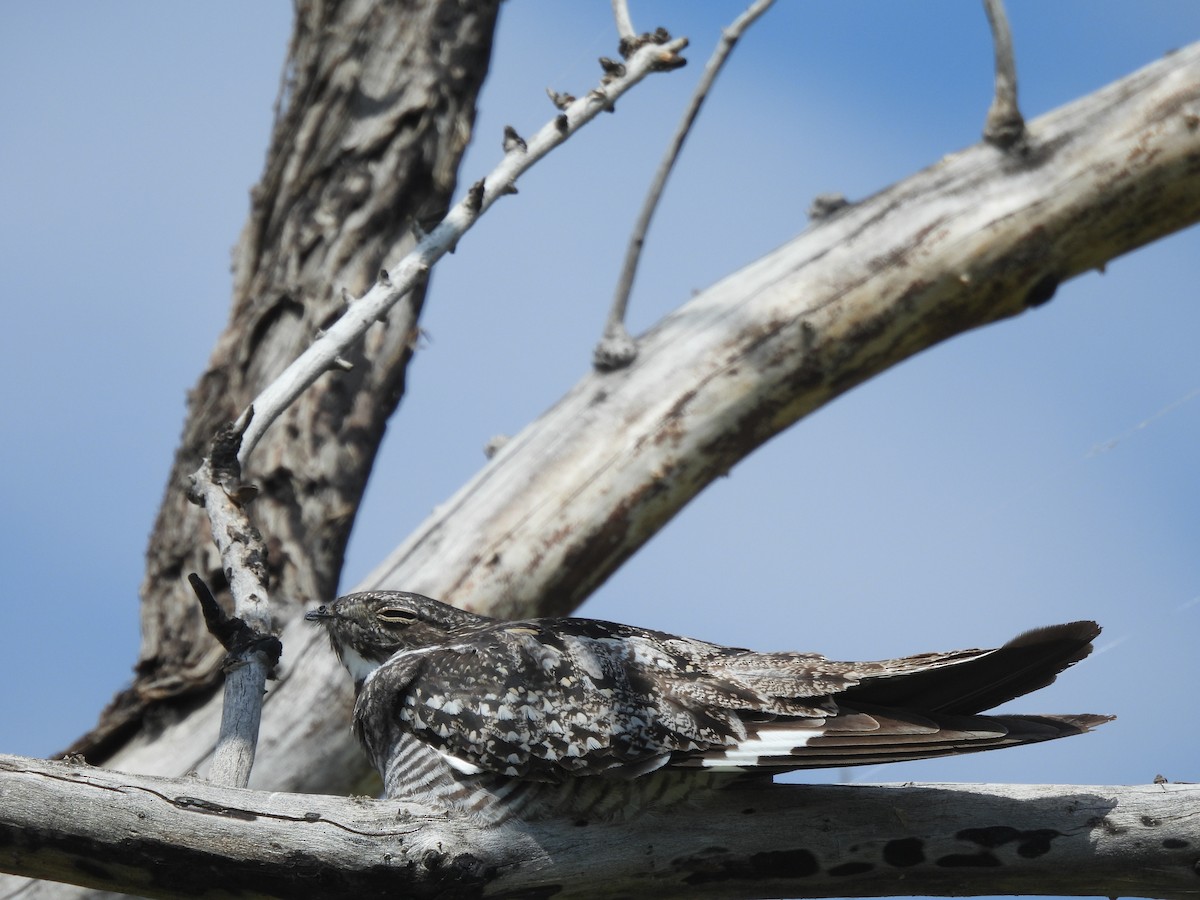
(188, 838)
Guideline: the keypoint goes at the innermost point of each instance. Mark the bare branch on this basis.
(625, 29)
(617, 348)
(252, 658)
(253, 651)
(961, 244)
(402, 276)
(152, 836)
(1004, 125)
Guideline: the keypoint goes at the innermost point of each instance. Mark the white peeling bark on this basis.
(170, 838)
(407, 273)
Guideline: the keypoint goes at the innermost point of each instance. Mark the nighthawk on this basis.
(565, 716)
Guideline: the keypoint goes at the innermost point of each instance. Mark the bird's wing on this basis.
(377, 720)
(899, 709)
(856, 738)
(525, 700)
(584, 697)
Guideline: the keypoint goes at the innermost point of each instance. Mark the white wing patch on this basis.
(767, 743)
(459, 765)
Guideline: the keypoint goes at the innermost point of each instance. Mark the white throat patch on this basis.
(360, 668)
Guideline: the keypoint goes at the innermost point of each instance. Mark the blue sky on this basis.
(1040, 470)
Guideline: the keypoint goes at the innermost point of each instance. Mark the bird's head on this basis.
(365, 629)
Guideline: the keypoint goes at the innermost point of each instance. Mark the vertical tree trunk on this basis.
(376, 109)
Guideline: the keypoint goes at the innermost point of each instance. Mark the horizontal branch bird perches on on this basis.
(168, 837)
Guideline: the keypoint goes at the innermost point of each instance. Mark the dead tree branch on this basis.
(175, 837)
(977, 237)
(616, 348)
(402, 276)
(1004, 125)
(253, 651)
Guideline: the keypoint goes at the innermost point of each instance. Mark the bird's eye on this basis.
(397, 615)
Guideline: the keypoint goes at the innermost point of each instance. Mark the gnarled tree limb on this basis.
(176, 837)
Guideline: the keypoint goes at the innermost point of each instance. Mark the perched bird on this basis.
(565, 716)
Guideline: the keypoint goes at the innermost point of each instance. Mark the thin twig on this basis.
(240, 640)
(323, 353)
(253, 650)
(1004, 125)
(616, 348)
(625, 30)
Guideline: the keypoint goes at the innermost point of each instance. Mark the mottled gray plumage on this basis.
(505, 718)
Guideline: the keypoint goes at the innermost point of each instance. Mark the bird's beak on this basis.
(316, 615)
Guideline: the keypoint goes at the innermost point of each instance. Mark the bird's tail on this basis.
(971, 681)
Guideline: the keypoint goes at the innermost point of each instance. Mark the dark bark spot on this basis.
(1174, 843)
(1042, 291)
(1031, 844)
(1106, 824)
(904, 852)
(785, 864)
(993, 836)
(1037, 843)
(798, 863)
